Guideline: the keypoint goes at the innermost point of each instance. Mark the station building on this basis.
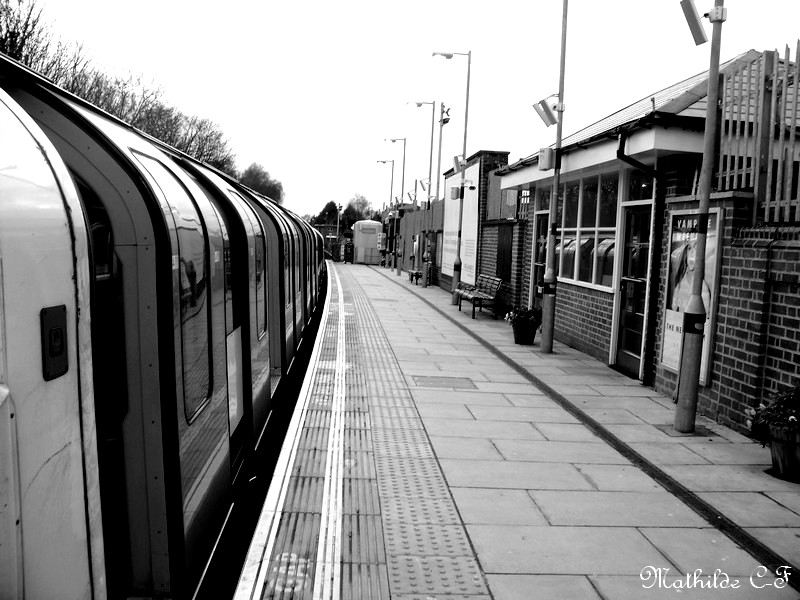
(626, 213)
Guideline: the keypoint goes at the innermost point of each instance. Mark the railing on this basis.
(758, 147)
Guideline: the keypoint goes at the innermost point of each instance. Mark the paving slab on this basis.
(657, 588)
(554, 451)
(618, 478)
(702, 548)
(467, 448)
(526, 414)
(542, 587)
(562, 550)
(513, 475)
(497, 507)
(752, 509)
(481, 429)
(615, 509)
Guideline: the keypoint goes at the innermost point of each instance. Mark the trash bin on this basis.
(348, 252)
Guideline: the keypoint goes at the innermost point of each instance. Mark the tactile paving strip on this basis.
(435, 575)
(427, 548)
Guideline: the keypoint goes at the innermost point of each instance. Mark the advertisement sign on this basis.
(680, 280)
(469, 225)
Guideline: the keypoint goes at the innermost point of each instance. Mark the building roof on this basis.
(671, 100)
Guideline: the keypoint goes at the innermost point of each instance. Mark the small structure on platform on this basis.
(365, 242)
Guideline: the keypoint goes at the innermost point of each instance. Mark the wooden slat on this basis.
(725, 93)
(768, 200)
(781, 151)
(740, 132)
(793, 138)
(749, 153)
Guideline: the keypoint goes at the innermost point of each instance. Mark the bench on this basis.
(483, 293)
(414, 276)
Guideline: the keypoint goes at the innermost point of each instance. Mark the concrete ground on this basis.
(567, 475)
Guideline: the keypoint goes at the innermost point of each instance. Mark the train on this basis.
(153, 316)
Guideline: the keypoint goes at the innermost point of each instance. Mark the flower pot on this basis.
(524, 333)
(785, 447)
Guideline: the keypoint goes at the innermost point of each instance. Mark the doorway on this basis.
(633, 289)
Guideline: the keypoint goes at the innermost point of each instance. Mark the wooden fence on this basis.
(758, 146)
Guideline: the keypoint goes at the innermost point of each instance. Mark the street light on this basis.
(457, 262)
(338, 212)
(425, 265)
(391, 192)
(402, 193)
(694, 317)
(549, 289)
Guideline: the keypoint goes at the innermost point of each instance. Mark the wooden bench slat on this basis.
(484, 291)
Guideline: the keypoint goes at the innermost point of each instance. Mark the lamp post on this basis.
(457, 261)
(694, 317)
(402, 193)
(549, 291)
(338, 212)
(425, 265)
(391, 191)
(444, 119)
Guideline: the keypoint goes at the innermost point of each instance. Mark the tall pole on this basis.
(457, 261)
(402, 194)
(425, 217)
(549, 292)
(391, 223)
(442, 122)
(694, 318)
(398, 262)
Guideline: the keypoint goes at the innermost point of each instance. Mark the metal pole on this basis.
(694, 318)
(397, 261)
(457, 262)
(549, 292)
(428, 215)
(439, 164)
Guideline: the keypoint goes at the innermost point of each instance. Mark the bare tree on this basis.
(22, 34)
(256, 177)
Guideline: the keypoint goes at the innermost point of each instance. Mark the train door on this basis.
(633, 288)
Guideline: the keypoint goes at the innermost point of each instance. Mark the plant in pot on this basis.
(776, 422)
(525, 322)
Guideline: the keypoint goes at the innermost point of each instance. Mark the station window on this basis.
(587, 219)
(190, 269)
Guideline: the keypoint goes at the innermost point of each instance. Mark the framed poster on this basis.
(680, 280)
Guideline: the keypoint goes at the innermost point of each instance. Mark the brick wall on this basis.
(583, 319)
(756, 341)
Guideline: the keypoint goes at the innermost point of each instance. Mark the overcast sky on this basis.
(310, 90)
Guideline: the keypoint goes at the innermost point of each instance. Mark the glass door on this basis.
(633, 289)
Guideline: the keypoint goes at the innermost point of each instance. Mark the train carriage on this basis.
(142, 281)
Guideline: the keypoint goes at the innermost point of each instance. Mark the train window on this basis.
(260, 266)
(191, 272)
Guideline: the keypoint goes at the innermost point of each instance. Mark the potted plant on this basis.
(525, 322)
(776, 422)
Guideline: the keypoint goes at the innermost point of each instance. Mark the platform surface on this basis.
(432, 458)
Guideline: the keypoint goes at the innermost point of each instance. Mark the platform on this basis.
(430, 457)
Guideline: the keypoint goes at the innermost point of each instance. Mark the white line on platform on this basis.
(329, 551)
(253, 578)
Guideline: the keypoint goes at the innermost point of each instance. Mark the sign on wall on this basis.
(680, 279)
(469, 225)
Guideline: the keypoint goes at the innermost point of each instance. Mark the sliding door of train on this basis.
(126, 296)
(279, 280)
(297, 285)
(238, 246)
(200, 428)
(249, 365)
(304, 265)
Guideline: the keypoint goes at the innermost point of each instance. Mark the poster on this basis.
(680, 281)
(469, 224)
